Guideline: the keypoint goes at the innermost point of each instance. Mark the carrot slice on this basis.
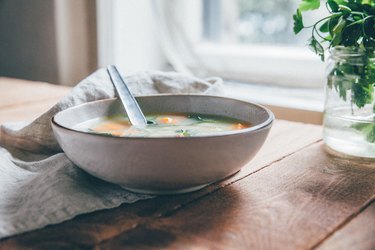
(110, 126)
(239, 126)
(166, 119)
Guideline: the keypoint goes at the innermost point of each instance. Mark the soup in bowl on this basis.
(162, 125)
(190, 140)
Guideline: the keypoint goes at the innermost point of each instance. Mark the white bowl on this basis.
(164, 165)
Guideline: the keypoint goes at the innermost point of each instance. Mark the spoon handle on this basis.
(135, 114)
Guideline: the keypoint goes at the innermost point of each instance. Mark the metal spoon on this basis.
(131, 106)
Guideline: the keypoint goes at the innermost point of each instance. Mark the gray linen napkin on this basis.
(39, 185)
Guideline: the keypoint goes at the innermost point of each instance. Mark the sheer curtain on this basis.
(203, 37)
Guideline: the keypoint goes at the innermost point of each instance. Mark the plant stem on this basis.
(360, 21)
(325, 18)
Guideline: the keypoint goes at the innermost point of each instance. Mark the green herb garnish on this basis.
(200, 118)
(183, 132)
(151, 122)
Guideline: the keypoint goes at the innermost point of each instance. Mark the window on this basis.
(247, 41)
(250, 22)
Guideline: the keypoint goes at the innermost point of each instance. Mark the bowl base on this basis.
(165, 192)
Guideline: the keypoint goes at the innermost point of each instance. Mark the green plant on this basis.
(349, 23)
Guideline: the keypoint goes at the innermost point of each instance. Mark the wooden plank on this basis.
(87, 230)
(358, 233)
(25, 112)
(298, 115)
(15, 92)
(291, 205)
(284, 139)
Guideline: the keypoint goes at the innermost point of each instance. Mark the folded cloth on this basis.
(40, 186)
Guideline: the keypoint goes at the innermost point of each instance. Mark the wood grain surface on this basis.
(24, 100)
(358, 233)
(295, 194)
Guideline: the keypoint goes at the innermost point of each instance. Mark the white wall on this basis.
(76, 39)
(45, 40)
(135, 40)
(27, 40)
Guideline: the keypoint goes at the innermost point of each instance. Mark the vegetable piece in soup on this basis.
(163, 125)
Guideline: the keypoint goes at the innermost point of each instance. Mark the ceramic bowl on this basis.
(164, 165)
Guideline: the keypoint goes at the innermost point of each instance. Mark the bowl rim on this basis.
(266, 124)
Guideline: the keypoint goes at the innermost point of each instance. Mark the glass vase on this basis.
(349, 110)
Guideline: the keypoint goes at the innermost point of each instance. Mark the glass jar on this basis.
(349, 110)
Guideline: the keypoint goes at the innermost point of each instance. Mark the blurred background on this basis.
(249, 43)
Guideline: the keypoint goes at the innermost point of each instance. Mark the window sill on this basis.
(282, 66)
(295, 104)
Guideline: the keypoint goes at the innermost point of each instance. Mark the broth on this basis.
(163, 125)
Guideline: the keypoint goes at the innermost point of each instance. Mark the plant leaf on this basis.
(309, 5)
(333, 5)
(332, 23)
(324, 27)
(351, 35)
(362, 93)
(368, 2)
(298, 22)
(337, 32)
(345, 9)
(368, 129)
(340, 26)
(328, 38)
(316, 47)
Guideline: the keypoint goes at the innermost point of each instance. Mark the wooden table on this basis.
(293, 195)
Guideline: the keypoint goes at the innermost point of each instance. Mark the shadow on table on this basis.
(157, 222)
(183, 223)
